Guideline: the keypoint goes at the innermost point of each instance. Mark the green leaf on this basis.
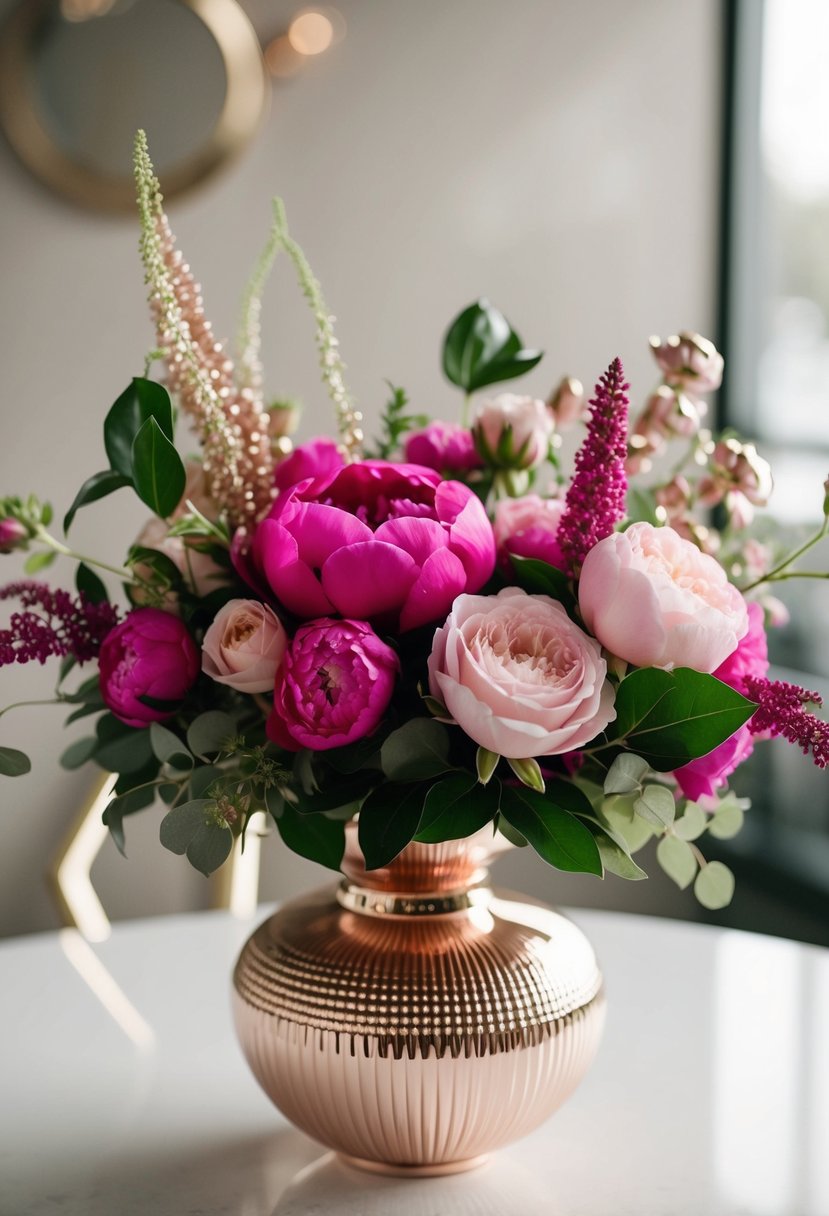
(157, 470)
(677, 859)
(84, 711)
(119, 807)
(641, 507)
(727, 820)
(671, 717)
(14, 763)
(693, 823)
(657, 805)
(714, 887)
(178, 827)
(168, 748)
(121, 749)
(99, 485)
(539, 577)
(626, 774)
(210, 732)
(618, 812)
(202, 778)
(210, 847)
(331, 797)
(365, 753)
(480, 348)
(388, 820)
(316, 837)
(77, 753)
(39, 561)
(456, 807)
(556, 834)
(90, 585)
(615, 852)
(416, 751)
(160, 564)
(143, 399)
(510, 834)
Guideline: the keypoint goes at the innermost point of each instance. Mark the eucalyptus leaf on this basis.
(557, 835)
(676, 857)
(671, 717)
(693, 823)
(416, 751)
(456, 807)
(179, 825)
(99, 485)
(210, 732)
(209, 847)
(626, 774)
(316, 837)
(13, 762)
(727, 821)
(201, 780)
(122, 805)
(388, 820)
(126, 752)
(481, 348)
(618, 812)
(657, 805)
(157, 470)
(141, 400)
(168, 748)
(77, 753)
(714, 887)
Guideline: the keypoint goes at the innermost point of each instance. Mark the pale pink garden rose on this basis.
(527, 527)
(653, 599)
(244, 645)
(513, 432)
(519, 677)
(687, 360)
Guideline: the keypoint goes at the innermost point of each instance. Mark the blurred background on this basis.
(602, 171)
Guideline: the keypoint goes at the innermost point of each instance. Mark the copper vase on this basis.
(413, 1019)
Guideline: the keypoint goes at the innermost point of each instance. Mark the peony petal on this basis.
(441, 579)
(319, 530)
(368, 580)
(470, 533)
(292, 580)
(420, 538)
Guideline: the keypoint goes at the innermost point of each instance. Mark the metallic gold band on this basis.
(381, 903)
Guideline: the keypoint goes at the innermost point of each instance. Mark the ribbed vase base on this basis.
(437, 1169)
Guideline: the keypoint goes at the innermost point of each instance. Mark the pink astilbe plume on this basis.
(595, 501)
(781, 711)
(53, 624)
(232, 421)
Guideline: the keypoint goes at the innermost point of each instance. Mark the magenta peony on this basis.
(444, 446)
(703, 777)
(389, 543)
(150, 654)
(527, 527)
(653, 599)
(518, 676)
(244, 646)
(333, 686)
(318, 459)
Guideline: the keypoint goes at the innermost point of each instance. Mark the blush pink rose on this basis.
(244, 646)
(704, 776)
(518, 676)
(150, 654)
(513, 432)
(333, 686)
(653, 599)
(527, 527)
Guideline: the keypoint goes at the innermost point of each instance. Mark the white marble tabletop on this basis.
(122, 1090)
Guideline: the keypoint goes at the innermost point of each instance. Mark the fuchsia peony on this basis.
(527, 527)
(702, 777)
(150, 654)
(444, 446)
(389, 543)
(244, 646)
(333, 687)
(653, 599)
(518, 676)
(318, 459)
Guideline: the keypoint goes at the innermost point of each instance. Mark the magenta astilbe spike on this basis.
(53, 624)
(781, 711)
(595, 501)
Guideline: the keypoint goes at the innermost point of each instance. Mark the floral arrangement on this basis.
(429, 633)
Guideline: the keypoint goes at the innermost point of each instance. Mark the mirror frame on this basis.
(244, 106)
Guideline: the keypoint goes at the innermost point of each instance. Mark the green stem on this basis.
(121, 572)
(778, 578)
(467, 397)
(774, 574)
(20, 704)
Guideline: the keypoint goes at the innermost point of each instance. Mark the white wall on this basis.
(560, 157)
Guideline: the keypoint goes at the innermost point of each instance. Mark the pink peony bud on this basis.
(13, 535)
(443, 446)
(567, 402)
(689, 361)
(150, 654)
(244, 646)
(333, 686)
(513, 432)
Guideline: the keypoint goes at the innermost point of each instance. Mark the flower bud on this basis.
(687, 360)
(566, 403)
(13, 535)
(513, 432)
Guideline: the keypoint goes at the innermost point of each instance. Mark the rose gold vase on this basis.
(413, 1020)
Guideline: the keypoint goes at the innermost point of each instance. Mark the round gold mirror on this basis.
(79, 77)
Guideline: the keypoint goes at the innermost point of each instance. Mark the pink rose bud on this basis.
(333, 686)
(527, 527)
(567, 402)
(13, 535)
(654, 599)
(513, 432)
(519, 677)
(244, 646)
(689, 361)
(444, 446)
(150, 654)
